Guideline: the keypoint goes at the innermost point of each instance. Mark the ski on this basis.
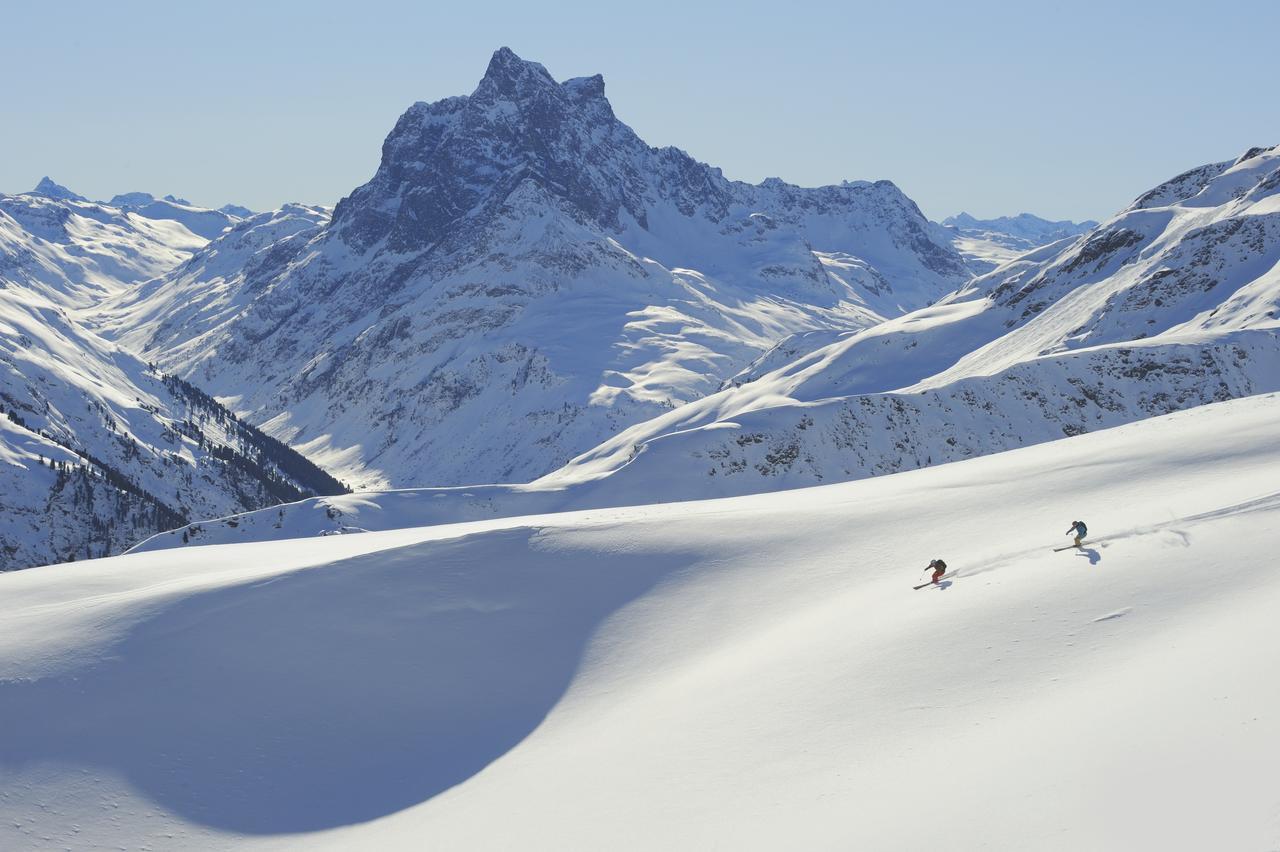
(946, 576)
(1068, 547)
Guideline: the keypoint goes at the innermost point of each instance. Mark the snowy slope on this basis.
(748, 673)
(523, 277)
(201, 221)
(209, 289)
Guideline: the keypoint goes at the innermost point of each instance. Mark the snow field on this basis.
(753, 672)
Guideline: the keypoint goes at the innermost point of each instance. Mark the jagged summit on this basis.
(450, 166)
(50, 189)
(461, 156)
(509, 76)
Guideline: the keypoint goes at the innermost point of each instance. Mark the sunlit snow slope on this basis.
(754, 672)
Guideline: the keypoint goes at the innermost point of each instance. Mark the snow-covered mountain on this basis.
(199, 220)
(209, 289)
(1173, 303)
(988, 243)
(98, 450)
(751, 673)
(236, 210)
(52, 189)
(523, 277)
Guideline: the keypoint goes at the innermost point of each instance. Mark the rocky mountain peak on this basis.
(50, 189)
(460, 157)
(585, 88)
(510, 77)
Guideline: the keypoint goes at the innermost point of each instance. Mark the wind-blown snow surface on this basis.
(523, 277)
(745, 673)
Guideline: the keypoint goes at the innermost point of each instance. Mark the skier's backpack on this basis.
(939, 565)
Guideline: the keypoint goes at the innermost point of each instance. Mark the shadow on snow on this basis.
(337, 694)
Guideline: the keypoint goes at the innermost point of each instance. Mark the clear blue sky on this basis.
(1066, 109)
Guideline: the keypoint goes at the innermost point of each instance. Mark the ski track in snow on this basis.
(1120, 613)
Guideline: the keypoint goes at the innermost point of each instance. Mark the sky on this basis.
(1063, 109)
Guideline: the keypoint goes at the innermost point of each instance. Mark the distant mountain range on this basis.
(987, 243)
(199, 220)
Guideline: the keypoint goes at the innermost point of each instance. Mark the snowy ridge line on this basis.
(77, 252)
(789, 444)
(989, 243)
